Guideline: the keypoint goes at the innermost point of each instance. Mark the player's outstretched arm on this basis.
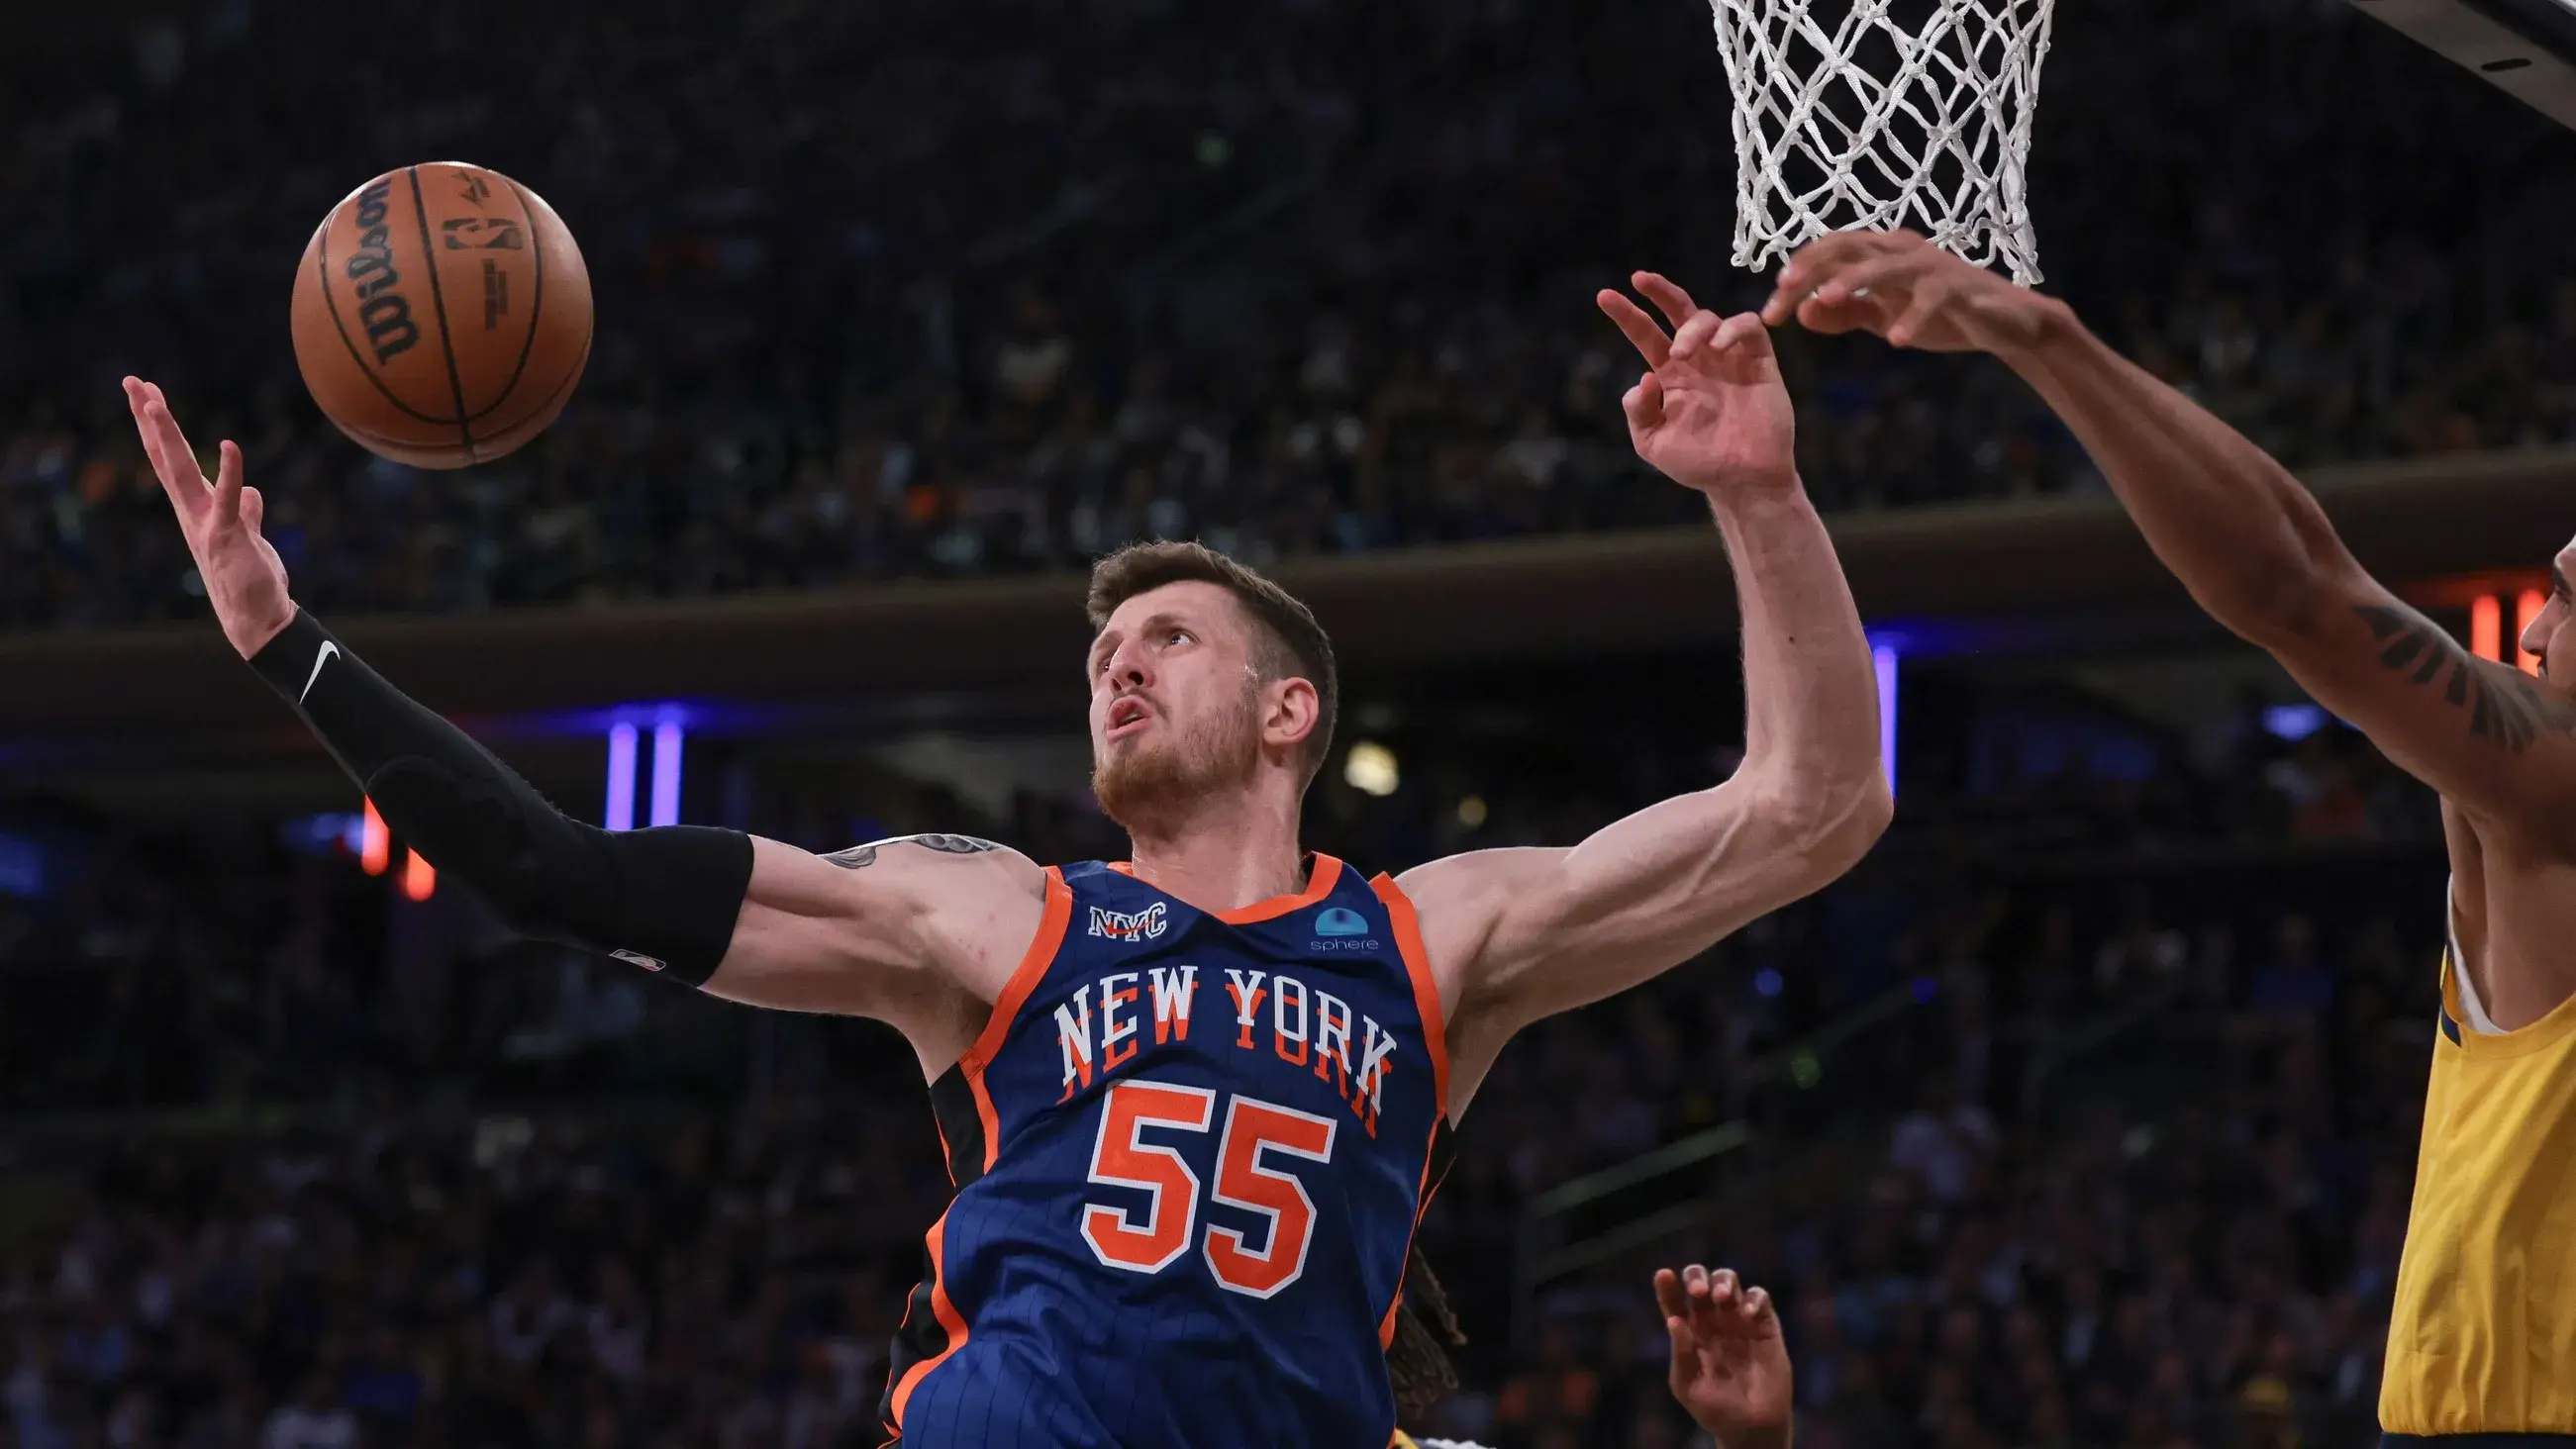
(1730, 1365)
(2251, 544)
(888, 931)
(1515, 935)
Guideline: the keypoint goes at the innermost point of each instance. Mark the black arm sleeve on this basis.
(665, 898)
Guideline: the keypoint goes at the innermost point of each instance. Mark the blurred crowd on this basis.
(2097, 1132)
(949, 287)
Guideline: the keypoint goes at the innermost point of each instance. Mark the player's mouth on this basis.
(1128, 716)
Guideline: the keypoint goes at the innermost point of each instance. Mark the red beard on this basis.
(1153, 785)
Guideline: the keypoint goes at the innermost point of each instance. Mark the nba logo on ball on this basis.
(1341, 922)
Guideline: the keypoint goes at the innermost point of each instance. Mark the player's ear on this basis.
(1291, 710)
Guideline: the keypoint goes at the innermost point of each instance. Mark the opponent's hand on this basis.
(245, 579)
(1730, 1365)
(1903, 288)
(1710, 413)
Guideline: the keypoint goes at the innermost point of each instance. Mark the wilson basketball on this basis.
(442, 315)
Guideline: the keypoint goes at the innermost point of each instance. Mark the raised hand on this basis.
(1903, 288)
(1711, 412)
(245, 579)
(1730, 1365)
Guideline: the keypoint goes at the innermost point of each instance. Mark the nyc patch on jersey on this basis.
(1190, 1151)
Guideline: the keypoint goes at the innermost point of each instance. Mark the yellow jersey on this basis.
(2482, 1334)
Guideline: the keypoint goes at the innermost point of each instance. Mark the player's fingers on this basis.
(1928, 297)
(228, 482)
(138, 401)
(1868, 274)
(172, 463)
(1668, 1293)
(1695, 334)
(1757, 1307)
(176, 455)
(1817, 265)
(1695, 1283)
(1710, 1315)
(1742, 336)
(1644, 405)
(1667, 295)
(1685, 1365)
(254, 508)
(1640, 329)
(1831, 318)
(1809, 265)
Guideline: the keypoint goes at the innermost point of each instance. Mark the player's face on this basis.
(2552, 632)
(1175, 702)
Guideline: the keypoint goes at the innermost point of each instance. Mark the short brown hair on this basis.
(1289, 644)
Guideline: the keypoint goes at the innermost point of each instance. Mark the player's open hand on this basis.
(1730, 1365)
(245, 579)
(1900, 286)
(1710, 413)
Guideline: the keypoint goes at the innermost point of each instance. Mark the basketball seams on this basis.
(580, 365)
(322, 278)
(438, 304)
(536, 302)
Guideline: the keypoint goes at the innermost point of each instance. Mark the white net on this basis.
(1884, 113)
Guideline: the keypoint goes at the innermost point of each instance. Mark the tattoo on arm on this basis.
(860, 857)
(2507, 708)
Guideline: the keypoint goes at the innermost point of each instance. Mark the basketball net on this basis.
(1880, 114)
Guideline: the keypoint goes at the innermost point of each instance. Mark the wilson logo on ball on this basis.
(382, 311)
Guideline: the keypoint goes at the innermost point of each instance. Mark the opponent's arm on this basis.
(1518, 934)
(752, 920)
(2253, 546)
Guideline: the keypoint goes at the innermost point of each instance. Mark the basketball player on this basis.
(2482, 1335)
(1193, 1102)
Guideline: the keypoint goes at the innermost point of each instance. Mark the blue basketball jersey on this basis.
(1190, 1151)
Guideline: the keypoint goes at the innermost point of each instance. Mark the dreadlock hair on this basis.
(1417, 1362)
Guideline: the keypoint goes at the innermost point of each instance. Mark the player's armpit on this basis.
(902, 930)
(1516, 935)
(2494, 740)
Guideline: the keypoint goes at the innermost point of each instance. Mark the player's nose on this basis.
(1131, 666)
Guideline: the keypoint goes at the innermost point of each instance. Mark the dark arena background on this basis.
(2083, 1113)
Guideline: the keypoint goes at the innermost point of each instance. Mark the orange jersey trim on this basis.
(946, 1312)
(1435, 1041)
(1426, 992)
(1015, 994)
(1422, 1192)
(1052, 922)
(1320, 880)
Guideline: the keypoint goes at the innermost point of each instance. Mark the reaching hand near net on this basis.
(1730, 1364)
(1711, 412)
(1905, 289)
(245, 579)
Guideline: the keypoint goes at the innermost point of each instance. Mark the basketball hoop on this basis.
(1884, 113)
